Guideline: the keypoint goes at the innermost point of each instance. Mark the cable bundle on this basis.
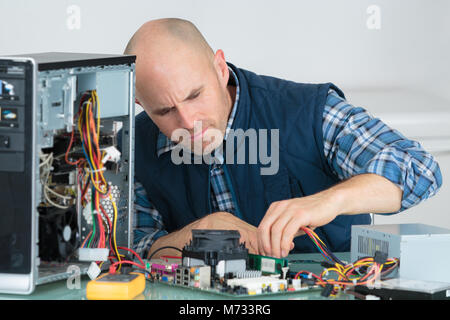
(90, 175)
(364, 271)
(321, 246)
(60, 201)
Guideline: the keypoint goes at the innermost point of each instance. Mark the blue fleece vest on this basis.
(181, 193)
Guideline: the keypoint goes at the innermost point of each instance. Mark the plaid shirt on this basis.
(354, 143)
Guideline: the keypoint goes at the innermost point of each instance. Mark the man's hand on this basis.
(283, 220)
(227, 221)
(360, 194)
(217, 220)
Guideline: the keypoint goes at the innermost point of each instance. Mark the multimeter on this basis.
(116, 286)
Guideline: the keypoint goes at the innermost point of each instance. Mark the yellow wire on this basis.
(97, 170)
(339, 266)
(101, 264)
(90, 146)
(88, 135)
(94, 93)
(317, 237)
(90, 173)
(114, 227)
(342, 270)
(89, 142)
(97, 199)
(358, 264)
(97, 102)
(333, 269)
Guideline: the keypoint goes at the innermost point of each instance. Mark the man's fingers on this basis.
(289, 233)
(251, 241)
(264, 228)
(263, 231)
(276, 233)
(299, 233)
(254, 247)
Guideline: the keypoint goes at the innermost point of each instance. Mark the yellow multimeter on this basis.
(116, 286)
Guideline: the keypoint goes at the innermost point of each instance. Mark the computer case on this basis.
(44, 215)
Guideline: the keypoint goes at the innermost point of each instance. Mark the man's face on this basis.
(186, 93)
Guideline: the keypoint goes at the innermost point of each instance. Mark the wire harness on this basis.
(90, 175)
(365, 271)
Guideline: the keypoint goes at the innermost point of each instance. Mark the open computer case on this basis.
(46, 210)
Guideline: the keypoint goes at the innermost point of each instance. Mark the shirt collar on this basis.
(164, 144)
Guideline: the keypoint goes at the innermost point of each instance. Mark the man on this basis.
(336, 162)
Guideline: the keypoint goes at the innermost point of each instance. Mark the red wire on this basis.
(171, 257)
(68, 149)
(127, 261)
(83, 194)
(324, 253)
(110, 228)
(100, 223)
(106, 216)
(86, 239)
(133, 252)
(309, 273)
(94, 135)
(72, 135)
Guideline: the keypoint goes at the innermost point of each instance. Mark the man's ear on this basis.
(221, 67)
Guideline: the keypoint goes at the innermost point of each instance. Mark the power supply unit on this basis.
(423, 250)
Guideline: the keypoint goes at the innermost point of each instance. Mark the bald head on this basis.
(180, 81)
(164, 48)
(152, 33)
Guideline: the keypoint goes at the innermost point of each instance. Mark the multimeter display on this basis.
(118, 278)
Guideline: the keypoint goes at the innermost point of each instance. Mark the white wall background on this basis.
(307, 41)
(311, 41)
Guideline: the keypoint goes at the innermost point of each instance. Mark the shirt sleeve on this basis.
(355, 143)
(148, 224)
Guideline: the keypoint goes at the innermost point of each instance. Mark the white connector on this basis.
(297, 284)
(256, 285)
(112, 154)
(93, 271)
(285, 271)
(95, 254)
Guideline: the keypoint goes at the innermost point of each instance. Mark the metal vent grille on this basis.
(368, 246)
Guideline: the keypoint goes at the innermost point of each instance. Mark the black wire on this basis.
(113, 236)
(88, 182)
(94, 107)
(139, 270)
(97, 230)
(389, 270)
(332, 255)
(328, 251)
(154, 252)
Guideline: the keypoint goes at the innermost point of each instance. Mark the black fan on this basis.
(58, 233)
